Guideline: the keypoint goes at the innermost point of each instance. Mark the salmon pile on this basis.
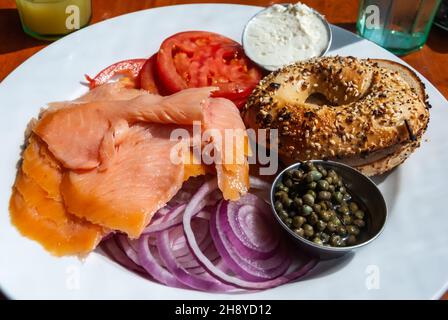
(103, 163)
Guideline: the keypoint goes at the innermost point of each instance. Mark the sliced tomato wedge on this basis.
(128, 69)
(198, 59)
(147, 76)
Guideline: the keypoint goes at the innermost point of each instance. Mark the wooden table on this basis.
(16, 47)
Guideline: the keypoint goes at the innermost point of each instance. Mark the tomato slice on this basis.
(148, 75)
(198, 59)
(129, 69)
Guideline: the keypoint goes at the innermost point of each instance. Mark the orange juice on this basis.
(52, 18)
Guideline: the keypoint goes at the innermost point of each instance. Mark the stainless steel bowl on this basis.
(273, 68)
(363, 190)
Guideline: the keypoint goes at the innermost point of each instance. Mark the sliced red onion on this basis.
(183, 275)
(196, 203)
(254, 235)
(207, 247)
(111, 248)
(127, 249)
(161, 212)
(186, 269)
(157, 271)
(179, 244)
(248, 268)
(176, 219)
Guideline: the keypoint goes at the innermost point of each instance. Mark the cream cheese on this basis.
(283, 34)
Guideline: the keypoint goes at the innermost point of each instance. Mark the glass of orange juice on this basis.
(52, 19)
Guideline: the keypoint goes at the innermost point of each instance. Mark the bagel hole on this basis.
(318, 99)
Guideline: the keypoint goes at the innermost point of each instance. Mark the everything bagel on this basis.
(370, 114)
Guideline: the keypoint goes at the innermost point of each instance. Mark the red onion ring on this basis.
(248, 268)
(175, 213)
(258, 245)
(157, 271)
(183, 275)
(196, 203)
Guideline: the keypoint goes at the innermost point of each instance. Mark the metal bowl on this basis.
(273, 67)
(363, 190)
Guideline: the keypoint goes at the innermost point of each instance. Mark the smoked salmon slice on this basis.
(40, 165)
(140, 179)
(45, 220)
(36, 207)
(88, 123)
(228, 135)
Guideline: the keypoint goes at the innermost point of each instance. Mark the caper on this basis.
(346, 219)
(280, 194)
(339, 183)
(312, 192)
(292, 213)
(343, 209)
(359, 223)
(321, 225)
(312, 219)
(317, 208)
(323, 185)
(359, 214)
(298, 221)
(324, 195)
(279, 186)
(308, 166)
(335, 240)
(288, 222)
(333, 213)
(325, 215)
(329, 179)
(309, 230)
(299, 231)
(337, 196)
(323, 205)
(331, 188)
(354, 230)
(308, 199)
(325, 237)
(297, 174)
(342, 189)
(278, 206)
(331, 226)
(287, 175)
(332, 173)
(351, 240)
(288, 183)
(322, 170)
(317, 240)
(336, 220)
(286, 202)
(342, 231)
(298, 202)
(353, 206)
(313, 176)
(312, 185)
(306, 210)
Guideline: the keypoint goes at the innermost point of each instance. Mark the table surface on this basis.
(16, 47)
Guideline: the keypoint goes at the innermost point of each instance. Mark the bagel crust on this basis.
(368, 116)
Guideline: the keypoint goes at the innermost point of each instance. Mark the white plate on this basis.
(409, 260)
